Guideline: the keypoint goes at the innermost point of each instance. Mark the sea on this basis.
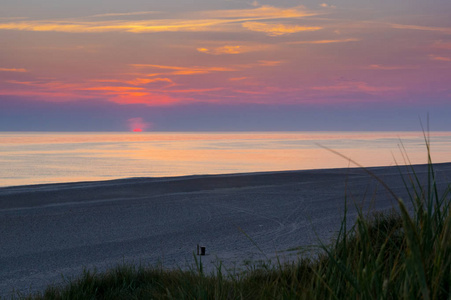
(54, 157)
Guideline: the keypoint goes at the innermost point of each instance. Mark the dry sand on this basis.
(47, 231)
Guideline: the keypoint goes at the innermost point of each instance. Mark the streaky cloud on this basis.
(189, 21)
(442, 45)
(143, 81)
(269, 63)
(197, 91)
(440, 58)
(277, 29)
(138, 13)
(325, 41)
(355, 86)
(113, 88)
(445, 30)
(17, 70)
(231, 49)
(388, 68)
(177, 70)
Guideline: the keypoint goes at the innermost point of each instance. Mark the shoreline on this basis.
(129, 180)
(177, 184)
(36, 195)
(58, 229)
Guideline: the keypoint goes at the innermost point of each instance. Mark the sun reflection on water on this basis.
(30, 158)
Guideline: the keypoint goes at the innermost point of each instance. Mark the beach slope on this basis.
(59, 229)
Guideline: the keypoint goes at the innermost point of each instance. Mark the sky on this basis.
(230, 65)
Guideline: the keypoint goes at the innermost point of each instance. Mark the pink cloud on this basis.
(388, 68)
(442, 45)
(440, 58)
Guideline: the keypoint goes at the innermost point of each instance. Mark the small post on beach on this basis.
(200, 250)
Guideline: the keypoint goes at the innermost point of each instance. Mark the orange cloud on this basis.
(59, 91)
(115, 92)
(125, 14)
(113, 89)
(325, 41)
(191, 72)
(106, 80)
(197, 70)
(142, 81)
(20, 82)
(237, 78)
(197, 91)
(325, 5)
(269, 63)
(222, 50)
(277, 29)
(262, 13)
(147, 99)
(185, 70)
(110, 26)
(13, 70)
(189, 21)
(50, 86)
(232, 49)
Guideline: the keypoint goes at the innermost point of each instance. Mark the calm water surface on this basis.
(34, 158)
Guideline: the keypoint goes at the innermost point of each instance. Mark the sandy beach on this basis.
(55, 230)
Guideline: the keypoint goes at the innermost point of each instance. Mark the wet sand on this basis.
(47, 231)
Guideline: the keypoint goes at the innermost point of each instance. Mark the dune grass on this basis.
(399, 254)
